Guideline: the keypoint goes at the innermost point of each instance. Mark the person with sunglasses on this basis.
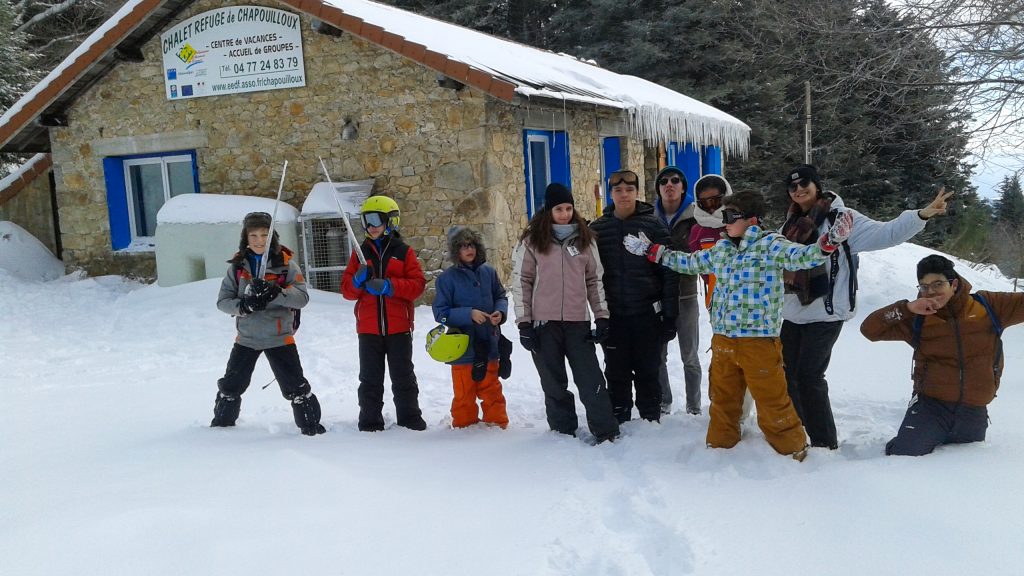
(746, 308)
(818, 301)
(642, 301)
(674, 207)
(384, 290)
(958, 355)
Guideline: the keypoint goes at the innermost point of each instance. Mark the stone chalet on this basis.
(174, 97)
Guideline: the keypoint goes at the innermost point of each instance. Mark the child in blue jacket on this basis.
(470, 297)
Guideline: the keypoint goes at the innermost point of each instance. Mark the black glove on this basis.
(265, 291)
(527, 336)
(668, 329)
(249, 304)
(600, 332)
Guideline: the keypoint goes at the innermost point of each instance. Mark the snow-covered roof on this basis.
(23, 175)
(499, 67)
(350, 195)
(656, 113)
(220, 209)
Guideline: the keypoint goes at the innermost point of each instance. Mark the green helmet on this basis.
(446, 344)
(381, 211)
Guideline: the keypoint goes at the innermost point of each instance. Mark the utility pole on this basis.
(807, 126)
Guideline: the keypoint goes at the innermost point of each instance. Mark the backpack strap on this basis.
(997, 327)
(834, 271)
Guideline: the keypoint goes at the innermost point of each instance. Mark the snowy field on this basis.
(109, 468)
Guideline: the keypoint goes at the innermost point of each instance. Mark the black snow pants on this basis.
(397, 350)
(806, 353)
(929, 423)
(557, 342)
(632, 355)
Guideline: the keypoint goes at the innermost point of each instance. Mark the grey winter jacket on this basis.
(563, 284)
(272, 327)
(867, 235)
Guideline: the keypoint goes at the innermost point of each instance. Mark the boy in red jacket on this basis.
(384, 290)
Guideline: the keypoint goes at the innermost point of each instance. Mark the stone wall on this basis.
(31, 209)
(447, 156)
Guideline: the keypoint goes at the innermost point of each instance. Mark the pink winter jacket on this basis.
(557, 285)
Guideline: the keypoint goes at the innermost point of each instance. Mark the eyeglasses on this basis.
(623, 178)
(374, 219)
(711, 202)
(674, 180)
(730, 215)
(932, 286)
(466, 245)
(802, 183)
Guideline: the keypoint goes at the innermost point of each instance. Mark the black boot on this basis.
(306, 409)
(225, 410)
(414, 423)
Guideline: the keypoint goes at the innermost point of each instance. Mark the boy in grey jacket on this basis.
(266, 311)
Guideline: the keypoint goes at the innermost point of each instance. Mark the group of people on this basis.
(629, 282)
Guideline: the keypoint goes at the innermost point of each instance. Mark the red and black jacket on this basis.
(395, 261)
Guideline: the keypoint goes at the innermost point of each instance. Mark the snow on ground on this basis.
(109, 466)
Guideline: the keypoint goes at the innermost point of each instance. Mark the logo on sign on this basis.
(174, 90)
(186, 90)
(187, 53)
(172, 74)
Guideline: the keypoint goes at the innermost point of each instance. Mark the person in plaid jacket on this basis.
(746, 316)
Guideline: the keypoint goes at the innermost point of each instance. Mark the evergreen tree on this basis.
(17, 74)
(1009, 206)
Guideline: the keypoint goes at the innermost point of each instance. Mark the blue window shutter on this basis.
(689, 163)
(711, 159)
(612, 162)
(117, 203)
(560, 159)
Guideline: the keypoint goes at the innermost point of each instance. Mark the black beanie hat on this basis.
(936, 264)
(800, 172)
(665, 172)
(556, 194)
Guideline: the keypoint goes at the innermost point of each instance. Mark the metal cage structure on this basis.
(325, 244)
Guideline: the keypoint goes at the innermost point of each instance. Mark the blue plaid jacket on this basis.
(748, 296)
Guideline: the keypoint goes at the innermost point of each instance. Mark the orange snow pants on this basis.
(755, 363)
(488, 390)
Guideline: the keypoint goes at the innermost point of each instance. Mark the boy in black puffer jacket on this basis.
(642, 300)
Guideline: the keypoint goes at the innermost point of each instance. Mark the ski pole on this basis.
(344, 216)
(268, 384)
(273, 218)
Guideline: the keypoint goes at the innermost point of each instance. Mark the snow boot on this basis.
(225, 410)
(415, 423)
(306, 409)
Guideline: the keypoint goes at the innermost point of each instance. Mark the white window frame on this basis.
(163, 161)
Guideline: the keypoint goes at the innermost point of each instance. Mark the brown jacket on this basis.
(563, 284)
(958, 339)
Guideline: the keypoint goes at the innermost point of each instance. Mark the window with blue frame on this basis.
(138, 186)
(546, 154)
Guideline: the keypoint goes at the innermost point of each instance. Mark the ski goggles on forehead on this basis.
(375, 219)
(627, 178)
(730, 215)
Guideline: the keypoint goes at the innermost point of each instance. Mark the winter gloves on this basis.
(600, 332)
(641, 246)
(260, 294)
(361, 276)
(668, 329)
(376, 286)
(838, 233)
(380, 287)
(527, 336)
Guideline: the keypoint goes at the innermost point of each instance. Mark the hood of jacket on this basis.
(462, 234)
(710, 219)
